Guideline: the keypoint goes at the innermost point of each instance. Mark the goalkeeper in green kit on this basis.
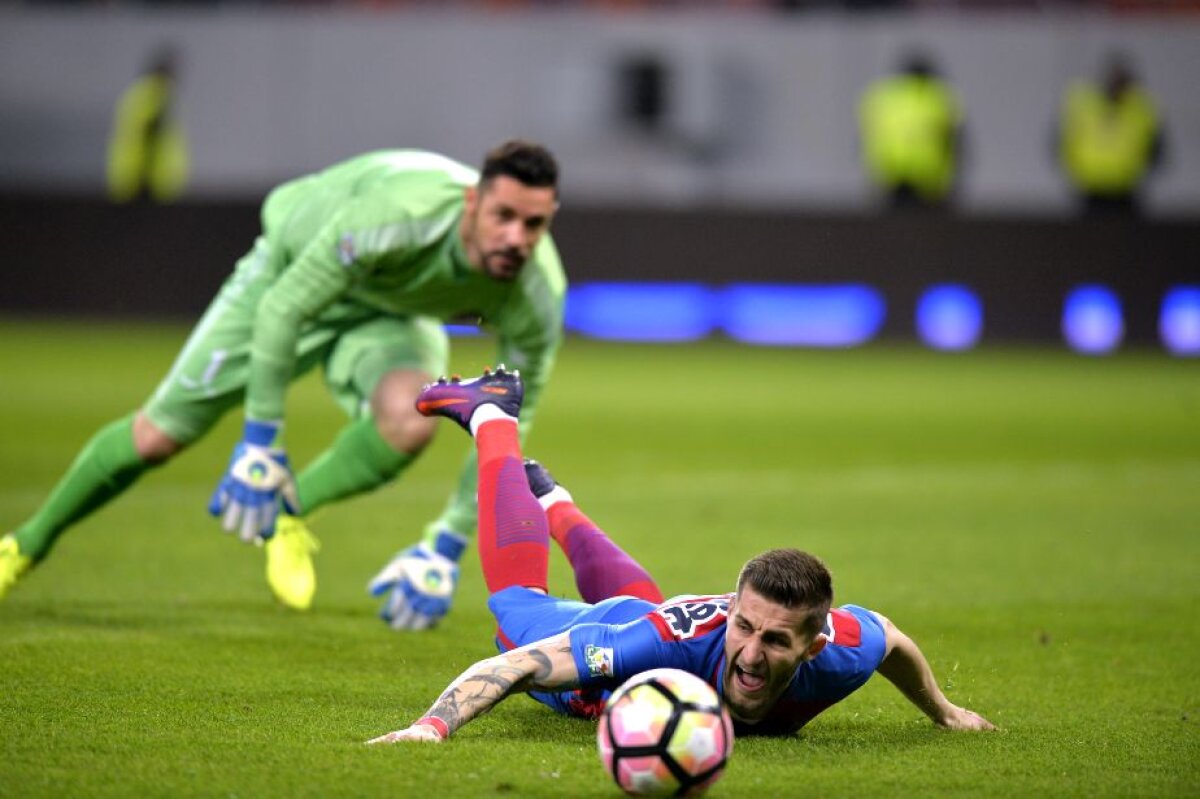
(356, 270)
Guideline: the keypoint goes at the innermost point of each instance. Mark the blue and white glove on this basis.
(258, 478)
(420, 583)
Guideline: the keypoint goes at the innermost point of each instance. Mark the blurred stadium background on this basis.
(742, 171)
(1028, 513)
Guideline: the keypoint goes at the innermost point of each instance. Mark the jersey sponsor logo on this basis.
(599, 660)
(346, 249)
(690, 617)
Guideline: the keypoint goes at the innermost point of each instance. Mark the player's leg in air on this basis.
(602, 569)
(520, 508)
(514, 535)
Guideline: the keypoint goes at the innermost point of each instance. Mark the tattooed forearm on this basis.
(475, 692)
(543, 676)
(546, 666)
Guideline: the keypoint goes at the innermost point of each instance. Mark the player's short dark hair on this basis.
(793, 579)
(525, 161)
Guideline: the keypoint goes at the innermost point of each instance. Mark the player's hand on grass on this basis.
(419, 584)
(257, 480)
(417, 732)
(959, 718)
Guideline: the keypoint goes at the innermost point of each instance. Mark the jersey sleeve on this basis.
(871, 635)
(856, 647)
(685, 632)
(320, 273)
(608, 654)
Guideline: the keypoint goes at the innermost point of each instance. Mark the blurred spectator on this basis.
(147, 151)
(1109, 138)
(911, 128)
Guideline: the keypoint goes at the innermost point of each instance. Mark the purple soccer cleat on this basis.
(541, 482)
(457, 399)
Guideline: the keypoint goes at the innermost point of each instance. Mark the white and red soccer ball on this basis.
(665, 732)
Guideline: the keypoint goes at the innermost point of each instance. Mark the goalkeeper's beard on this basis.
(503, 264)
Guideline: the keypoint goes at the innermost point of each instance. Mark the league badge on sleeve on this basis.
(599, 660)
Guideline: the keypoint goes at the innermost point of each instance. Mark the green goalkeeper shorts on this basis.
(210, 373)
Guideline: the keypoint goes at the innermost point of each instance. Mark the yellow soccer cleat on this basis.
(290, 570)
(12, 563)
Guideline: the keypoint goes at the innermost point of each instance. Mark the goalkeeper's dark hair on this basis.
(524, 161)
(793, 579)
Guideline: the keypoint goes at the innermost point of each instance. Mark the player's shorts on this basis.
(524, 616)
(210, 373)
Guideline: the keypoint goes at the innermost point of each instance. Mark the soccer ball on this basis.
(665, 732)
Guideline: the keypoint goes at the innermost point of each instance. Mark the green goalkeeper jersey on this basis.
(379, 234)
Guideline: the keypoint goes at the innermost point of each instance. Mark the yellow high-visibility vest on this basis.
(908, 126)
(1107, 146)
(147, 149)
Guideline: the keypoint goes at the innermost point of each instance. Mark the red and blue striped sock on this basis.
(602, 569)
(514, 536)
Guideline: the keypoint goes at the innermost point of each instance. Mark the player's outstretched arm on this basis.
(542, 666)
(905, 666)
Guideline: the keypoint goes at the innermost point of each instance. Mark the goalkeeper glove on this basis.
(248, 497)
(420, 583)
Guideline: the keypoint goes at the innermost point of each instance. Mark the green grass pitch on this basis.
(1030, 517)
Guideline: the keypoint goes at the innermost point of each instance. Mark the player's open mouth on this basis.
(747, 681)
